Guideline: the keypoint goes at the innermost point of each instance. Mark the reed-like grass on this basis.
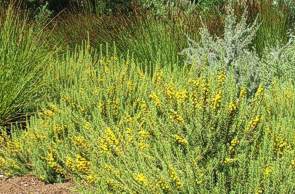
(23, 61)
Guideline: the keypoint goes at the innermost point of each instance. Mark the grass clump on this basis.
(23, 62)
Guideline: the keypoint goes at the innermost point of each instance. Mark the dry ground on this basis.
(31, 185)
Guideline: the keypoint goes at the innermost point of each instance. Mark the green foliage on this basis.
(23, 62)
(205, 125)
(275, 25)
(116, 130)
(151, 41)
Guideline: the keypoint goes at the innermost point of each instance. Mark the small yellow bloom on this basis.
(143, 146)
(232, 107)
(254, 122)
(91, 179)
(221, 77)
(69, 163)
(229, 161)
(141, 179)
(82, 165)
(174, 177)
(243, 93)
(155, 99)
(267, 170)
(234, 142)
(181, 140)
(217, 100)
(81, 142)
(2, 162)
(260, 90)
(164, 185)
(176, 117)
(48, 113)
(14, 146)
(181, 96)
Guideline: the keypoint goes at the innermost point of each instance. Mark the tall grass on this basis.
(274, 27)
(23, 61)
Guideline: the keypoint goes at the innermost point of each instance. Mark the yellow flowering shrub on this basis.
(121, 130)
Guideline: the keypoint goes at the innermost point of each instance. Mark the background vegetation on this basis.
(149, 96)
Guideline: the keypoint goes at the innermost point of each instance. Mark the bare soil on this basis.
(31, 185)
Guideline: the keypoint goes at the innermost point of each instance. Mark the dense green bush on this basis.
(116, 130)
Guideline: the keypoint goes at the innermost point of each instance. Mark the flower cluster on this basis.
(181, 140)
(109, 143)
(174, 177)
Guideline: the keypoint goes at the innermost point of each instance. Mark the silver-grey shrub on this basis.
(233, 52)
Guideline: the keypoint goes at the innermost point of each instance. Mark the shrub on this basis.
(118, 130)
(231, 52)
(234, 51)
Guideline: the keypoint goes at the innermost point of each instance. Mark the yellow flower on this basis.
(232, 107)
(52, 163)
(143, 146)
(229, 161)
(170, 91)
(144, 134)
(87, 126)
(14, 146)
(2, 162)
(142, 105)
(66, 98)
(48, 113)
(155, 99)
(234, 142)
(259, 191)
(221, 77)
(81, 142)
(58, 130)
(53, 107)
(254, 122)
(259, 91)
(82, 165)
(163, 185)
(109, 143)
(158, 76)
(217, 100)
(174, 177)
(91, 179)
(111, 169)
(111, 137)
(130, 86)
(267, 170)
(281, 145)
(69, 163)
(176, 117)
(141, 179)
(129, 135)
(181, 140)
(243, 93)
(181, 96)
